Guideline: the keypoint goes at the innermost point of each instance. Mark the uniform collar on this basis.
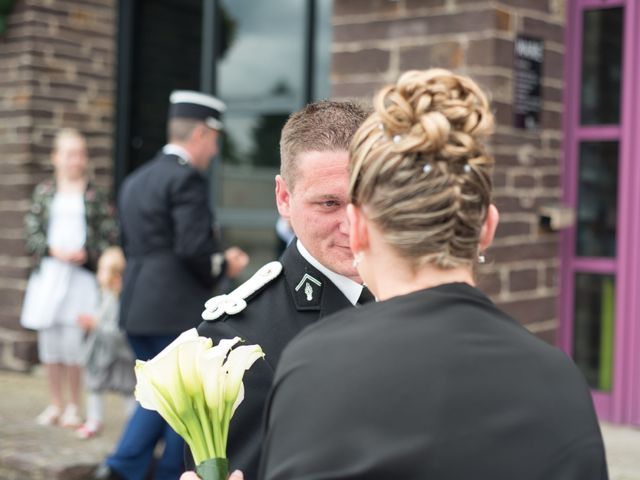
(348, 287)
(177, 150)
(310, 289)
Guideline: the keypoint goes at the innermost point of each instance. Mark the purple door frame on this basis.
(622, 404)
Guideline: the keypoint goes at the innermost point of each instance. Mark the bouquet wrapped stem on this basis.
(196, 387)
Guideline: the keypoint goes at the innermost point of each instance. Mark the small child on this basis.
(109, 360)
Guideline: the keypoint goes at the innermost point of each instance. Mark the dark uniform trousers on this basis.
(168, 241)
(297, 298)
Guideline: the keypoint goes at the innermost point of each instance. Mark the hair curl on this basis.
(419, 166)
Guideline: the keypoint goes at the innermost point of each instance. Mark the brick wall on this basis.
(375, 40)
(57, 69)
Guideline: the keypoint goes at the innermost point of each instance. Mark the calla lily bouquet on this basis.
(196, 387)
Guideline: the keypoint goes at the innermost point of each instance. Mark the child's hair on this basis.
(67, 133)
(112, 259)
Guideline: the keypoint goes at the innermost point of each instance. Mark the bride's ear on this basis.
(358, 234)
(489, 228)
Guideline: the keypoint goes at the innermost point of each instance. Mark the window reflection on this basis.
(263, 76)
(601, 66)
(593, 330)
(597, 199)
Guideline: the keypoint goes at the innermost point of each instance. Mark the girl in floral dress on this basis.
(68, 224)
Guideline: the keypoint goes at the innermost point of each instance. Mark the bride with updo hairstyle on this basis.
(433, 381)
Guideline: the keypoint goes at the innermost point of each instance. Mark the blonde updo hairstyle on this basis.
(419, 168)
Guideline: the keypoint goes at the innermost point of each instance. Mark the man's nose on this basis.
(343, 227)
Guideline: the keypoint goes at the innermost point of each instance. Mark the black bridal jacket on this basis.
(437, 384)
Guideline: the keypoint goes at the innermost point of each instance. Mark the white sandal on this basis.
(49, 416)
(71, 418)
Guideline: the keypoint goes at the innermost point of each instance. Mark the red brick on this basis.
(531, 310)
(445, 55)
(499, 179)
(524, 181)
(551, 180)
(413, 27)
(363, 61)
(513, 228)
(359, 7)
(541, 29)
(548, 335)
(489, 283)
(551, 120)
(521, 280)
(541, 249)
(509, 203)
(417, 4)
(363, 90)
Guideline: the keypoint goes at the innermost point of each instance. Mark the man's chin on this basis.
(346, 269)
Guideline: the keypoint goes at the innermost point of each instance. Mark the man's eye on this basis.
(329, 203)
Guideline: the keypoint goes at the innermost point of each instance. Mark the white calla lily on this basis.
(240, 360)
(188, 354)
(212, 373)
(195, 390)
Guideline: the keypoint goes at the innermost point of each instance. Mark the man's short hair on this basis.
(180, 129)
(324, 126)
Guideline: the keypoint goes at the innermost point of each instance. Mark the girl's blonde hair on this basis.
(419, 167)
(67, 133)
(112, 259)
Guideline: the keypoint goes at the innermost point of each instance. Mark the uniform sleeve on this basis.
(194, 240)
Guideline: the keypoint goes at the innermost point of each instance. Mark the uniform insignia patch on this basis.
(234, 302)
(309, 278)
(308, 290)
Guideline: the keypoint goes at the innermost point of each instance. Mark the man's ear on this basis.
(489, 228)
(283, 197)
(358, 233)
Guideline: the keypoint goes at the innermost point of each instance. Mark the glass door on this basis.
(598, 309)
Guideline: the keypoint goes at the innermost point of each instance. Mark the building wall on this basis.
(375, 40)
(57, 69)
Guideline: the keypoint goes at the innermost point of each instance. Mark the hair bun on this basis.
(434, 110)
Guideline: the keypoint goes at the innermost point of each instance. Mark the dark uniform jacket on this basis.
(168, 241)
(273, 316)
(437, 384)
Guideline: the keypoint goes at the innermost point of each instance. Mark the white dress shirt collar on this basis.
(173, 149)
(348, 287)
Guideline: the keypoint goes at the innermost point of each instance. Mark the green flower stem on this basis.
(226, 419)
(213, 469)
(205, 426)
(218, 441)
(195, 439)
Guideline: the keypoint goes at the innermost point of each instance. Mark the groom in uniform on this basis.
(315, 276)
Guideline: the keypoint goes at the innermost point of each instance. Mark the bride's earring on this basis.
(357, 258)
(481, 258)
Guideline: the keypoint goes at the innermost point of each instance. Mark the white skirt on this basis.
(57, 293)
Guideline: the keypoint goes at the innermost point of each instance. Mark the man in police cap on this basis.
(315, 276)
(173, 262)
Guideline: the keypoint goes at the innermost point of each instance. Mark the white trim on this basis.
(213, 123)
(188, 96)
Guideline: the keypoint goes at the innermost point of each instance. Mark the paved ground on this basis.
(30, 452)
